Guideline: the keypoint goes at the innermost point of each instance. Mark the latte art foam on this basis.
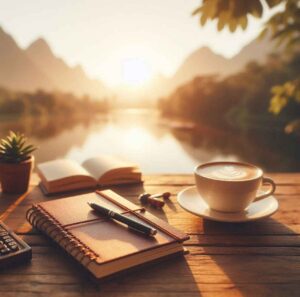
(229, 172)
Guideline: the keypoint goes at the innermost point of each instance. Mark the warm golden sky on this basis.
(110, 37)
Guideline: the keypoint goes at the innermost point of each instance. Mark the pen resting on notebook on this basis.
(123, 219)
(103, 247)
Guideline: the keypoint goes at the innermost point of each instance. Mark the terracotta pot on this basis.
(15, 178)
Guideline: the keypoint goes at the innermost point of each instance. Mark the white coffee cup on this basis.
(231, 186)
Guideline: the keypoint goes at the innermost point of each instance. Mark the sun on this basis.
(132, 67)
(135, 72)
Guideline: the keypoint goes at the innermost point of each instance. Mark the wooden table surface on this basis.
(248, 259)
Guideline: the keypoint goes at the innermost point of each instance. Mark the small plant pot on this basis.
(15, 177)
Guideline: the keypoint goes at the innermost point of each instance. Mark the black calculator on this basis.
(13, 249)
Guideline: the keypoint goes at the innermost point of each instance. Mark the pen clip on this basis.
(151, 234)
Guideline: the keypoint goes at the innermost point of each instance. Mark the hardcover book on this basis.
(104, 246)
(66, 175)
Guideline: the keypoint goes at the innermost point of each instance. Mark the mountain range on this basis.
(205, 62)
(37, 67)
(202, 62)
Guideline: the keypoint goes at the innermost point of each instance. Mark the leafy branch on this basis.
(283, 27)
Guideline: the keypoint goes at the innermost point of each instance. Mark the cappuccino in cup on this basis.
(230, 171)
(230, 186)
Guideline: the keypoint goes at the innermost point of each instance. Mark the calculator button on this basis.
(8, 240)
(4, 251)
(13, 247)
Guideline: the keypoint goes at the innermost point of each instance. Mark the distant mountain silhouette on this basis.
(205, 62)
(38, 68)
(17, 70)
(64, 77)
(201, 62)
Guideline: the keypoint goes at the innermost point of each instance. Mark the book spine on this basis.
(39, 218)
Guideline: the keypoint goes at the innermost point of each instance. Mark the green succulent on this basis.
(14, 149)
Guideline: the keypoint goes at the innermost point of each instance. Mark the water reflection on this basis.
(139, 136)
(271, 150)
(143, 137)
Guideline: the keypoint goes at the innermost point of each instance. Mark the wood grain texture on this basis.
(248, 259)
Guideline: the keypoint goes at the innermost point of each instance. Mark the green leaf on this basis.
(243, 22)
(256, 8)
(232, 25)
(13, 148)
(222, 21)
(196, 11)
(203, 20)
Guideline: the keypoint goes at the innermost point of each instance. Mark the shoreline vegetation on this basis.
(235, 115)
(44, 114)
(239, 102)
(42, 103)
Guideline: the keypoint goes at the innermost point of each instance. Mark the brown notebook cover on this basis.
(102, 245)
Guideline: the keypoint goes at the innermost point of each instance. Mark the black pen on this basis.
(127, 221)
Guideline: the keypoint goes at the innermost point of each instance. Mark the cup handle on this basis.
(269, 181)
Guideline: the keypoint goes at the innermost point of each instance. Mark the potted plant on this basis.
(16, 163)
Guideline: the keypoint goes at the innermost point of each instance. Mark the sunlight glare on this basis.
(132, 65)
(136, 138)
(135, 71)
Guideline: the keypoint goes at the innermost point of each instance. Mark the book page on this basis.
(60, 169)
(100, 165)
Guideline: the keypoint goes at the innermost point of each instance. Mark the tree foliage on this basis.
(240, 101)
(48, 104)
(234, 14)
(283, 27)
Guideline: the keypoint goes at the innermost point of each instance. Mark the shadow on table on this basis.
(168, 277)
(254, 257)
(8, 203)
(171, 277)
(165, 278)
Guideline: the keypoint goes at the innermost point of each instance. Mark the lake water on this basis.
(143, 137)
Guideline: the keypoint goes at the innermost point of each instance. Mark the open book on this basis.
(67, 175)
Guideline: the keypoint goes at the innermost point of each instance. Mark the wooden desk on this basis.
(251, 259)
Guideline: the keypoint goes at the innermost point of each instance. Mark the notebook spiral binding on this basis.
(38, 217)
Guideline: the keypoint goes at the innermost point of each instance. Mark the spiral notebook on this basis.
(104, 246)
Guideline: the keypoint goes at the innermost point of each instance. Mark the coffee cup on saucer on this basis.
(231, 186)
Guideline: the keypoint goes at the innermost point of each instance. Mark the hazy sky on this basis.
(102, 35)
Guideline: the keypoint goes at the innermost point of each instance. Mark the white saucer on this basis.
(190, 200)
